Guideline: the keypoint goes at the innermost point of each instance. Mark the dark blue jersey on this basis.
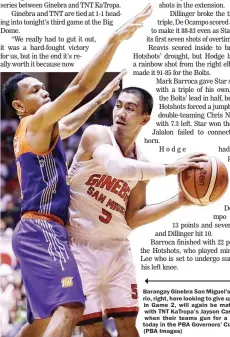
(42, 177)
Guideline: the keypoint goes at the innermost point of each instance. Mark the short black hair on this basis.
(10, 88)
(145, 96)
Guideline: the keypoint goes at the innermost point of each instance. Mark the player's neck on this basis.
(25, 114)
(126, 141)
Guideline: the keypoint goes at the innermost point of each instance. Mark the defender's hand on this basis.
(114, 85)
(129, 28)
(192, 160)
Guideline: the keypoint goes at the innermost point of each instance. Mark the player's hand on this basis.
(129, 28)
(193, 160)
(114, 85)
(183, 201)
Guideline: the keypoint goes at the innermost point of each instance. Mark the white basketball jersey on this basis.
(98, 201)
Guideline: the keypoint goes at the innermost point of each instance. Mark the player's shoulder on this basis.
(96, 131)
(22, 127)
(95, 128)
(20, 143)
(94, 136)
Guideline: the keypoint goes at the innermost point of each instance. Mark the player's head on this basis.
(24, 94)
(133, 108)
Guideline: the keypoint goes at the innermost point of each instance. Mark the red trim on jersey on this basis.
(89, 317)
(121, 309)
(42, 216)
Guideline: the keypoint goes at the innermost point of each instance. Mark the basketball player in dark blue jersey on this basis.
(53, 285)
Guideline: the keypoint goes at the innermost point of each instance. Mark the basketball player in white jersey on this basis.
(108, 179)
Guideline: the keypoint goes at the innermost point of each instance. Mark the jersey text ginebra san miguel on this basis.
(42, 177)
(98, 201)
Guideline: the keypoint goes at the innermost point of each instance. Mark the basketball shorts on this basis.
(49, 270)
(108, 277)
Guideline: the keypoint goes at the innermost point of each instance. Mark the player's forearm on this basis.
(91, 74)
(71, 123)
(125, 168)
(152, 213)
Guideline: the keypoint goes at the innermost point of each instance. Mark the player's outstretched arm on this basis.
(72, 122)
(120, 167)
(88, 78)
(100, 62)
(96, 142)
(139, 214)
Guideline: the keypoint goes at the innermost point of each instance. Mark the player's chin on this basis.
(48, 100)
(121, 126)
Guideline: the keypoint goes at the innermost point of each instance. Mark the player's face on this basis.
(128, 113)
(31, 96)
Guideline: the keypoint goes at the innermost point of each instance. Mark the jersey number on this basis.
(106, 218)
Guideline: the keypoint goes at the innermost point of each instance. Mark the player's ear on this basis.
(18, 106)
(146, 118)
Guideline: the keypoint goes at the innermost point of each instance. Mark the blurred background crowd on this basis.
(12, 292)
